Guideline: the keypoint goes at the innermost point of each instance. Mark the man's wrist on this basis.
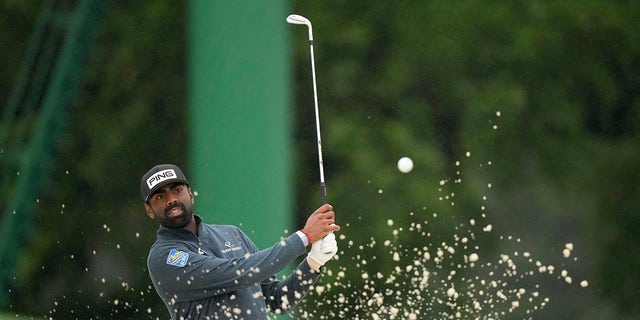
(314, 265)
(306, 240)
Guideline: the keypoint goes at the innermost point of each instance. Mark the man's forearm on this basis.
(286, 294)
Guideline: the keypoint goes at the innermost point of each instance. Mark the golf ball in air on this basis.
(405, 164)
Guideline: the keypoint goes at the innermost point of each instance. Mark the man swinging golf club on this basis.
(207, 271)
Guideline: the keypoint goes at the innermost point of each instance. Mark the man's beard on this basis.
(177, 222)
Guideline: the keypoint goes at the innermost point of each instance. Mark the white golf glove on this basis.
(322, 251)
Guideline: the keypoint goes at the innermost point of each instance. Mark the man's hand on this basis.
(320, 223)
(322, 251)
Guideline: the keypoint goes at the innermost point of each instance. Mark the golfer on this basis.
(208, 271)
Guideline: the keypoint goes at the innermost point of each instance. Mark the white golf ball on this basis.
(405, 164)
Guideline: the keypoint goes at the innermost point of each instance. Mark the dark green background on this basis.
(423, 79)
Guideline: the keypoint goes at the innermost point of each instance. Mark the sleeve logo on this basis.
(177, 258)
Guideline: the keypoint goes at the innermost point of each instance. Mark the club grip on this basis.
(323, 193)
(323, 200)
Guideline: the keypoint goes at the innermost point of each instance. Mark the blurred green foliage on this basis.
(14, 316)
(526, 112)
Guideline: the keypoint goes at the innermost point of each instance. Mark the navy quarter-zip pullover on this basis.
(220, 273)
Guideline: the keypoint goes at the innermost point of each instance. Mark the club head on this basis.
(298, 19)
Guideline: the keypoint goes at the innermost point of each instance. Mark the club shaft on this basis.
(323, 187)
(317, 114)
(297, 19)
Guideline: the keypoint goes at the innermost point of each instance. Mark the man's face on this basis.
(171, 206)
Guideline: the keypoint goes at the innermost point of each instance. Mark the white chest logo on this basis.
(230, 247)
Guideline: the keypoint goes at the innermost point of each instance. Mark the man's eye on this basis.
(177, 189)
(158, 196)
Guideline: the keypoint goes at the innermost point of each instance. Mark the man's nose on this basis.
(171, 199)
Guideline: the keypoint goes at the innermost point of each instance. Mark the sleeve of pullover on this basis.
(201, 276)
(284, 295)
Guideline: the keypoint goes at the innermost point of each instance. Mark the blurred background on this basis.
(522, 120)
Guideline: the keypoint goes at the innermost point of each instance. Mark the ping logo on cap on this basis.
(161, 176)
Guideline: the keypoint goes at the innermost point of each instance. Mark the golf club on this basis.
(298, 19)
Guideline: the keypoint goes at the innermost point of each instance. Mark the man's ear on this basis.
(192, 197)
(150, 213)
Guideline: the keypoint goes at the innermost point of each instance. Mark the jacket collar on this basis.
(183, 233)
